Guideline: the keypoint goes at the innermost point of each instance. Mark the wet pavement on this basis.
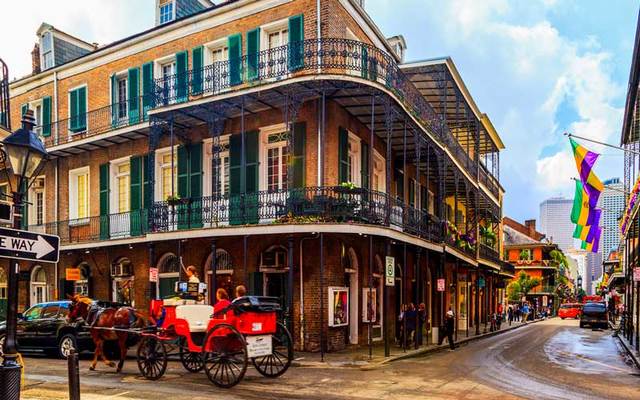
(553, 359)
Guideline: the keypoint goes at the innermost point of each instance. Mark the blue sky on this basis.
(537, 67)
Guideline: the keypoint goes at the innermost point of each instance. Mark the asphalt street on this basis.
(553, 359)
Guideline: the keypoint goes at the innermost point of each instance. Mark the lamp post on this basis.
(27, 156)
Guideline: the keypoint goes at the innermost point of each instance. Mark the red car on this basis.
(570, 310)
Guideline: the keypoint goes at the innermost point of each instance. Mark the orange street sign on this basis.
(72, 274)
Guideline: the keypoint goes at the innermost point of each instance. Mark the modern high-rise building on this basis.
(555, 222)
(612, 203)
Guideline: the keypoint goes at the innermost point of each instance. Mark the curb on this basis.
(627, 347)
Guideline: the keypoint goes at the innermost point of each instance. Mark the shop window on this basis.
(274, 257)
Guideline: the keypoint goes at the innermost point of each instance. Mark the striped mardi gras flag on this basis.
(588, 232)
(582, 213)
(584, 162)
(593, 246)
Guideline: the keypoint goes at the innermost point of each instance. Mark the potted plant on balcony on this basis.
(452, 231)
(488, 235)
(174, 200)
(467, 242)
(348, 188)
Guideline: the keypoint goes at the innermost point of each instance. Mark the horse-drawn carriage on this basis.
(221, 342)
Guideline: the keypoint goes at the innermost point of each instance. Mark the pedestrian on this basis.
(517, 313)
(510, 314)
(410, 316)
(525, 312)
(400, 325)
(241, 291)
(422, 318)
(448, 330)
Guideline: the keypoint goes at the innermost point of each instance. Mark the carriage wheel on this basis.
(276, 363)
(224, 355)
(152, 358)
(191, 361)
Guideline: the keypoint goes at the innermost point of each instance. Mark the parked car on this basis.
(43, 328)
(594, 314)
(570, 310)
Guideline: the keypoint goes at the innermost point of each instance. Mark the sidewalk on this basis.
(631, 351)
(358, 357)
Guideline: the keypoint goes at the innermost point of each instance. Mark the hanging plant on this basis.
(173, 200)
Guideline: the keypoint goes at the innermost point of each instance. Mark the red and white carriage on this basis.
(221, 344)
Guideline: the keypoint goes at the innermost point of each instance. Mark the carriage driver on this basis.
(192, 274)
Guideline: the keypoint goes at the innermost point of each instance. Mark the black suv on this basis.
(44, 328)
(594, 314)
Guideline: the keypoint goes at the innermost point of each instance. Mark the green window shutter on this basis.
(424, 198)
(364, 54)
(183, 186)
(148, 92)
(46, 116)
(343, 155)
(235, 59)
(235, 180)
(251, 157)
(182, 76)
(195, 184)
(198, 65)
(253, 51)
(364, 164)
(104, 201)
(23, 110)
(78, 100)
(133, 84)
(412, 192)
(147, 195)
(114, 101)
(135, 193)
(399, 184)
(73, 109)
(299, 149)
(296, 42)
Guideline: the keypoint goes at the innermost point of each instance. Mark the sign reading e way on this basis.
(31, 246)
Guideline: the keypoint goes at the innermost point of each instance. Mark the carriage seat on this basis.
(196, 315)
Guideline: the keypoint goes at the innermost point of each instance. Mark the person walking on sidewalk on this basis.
(510, 314)
(525, 312)
(448, 330)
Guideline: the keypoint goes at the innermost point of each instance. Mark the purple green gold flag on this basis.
(582, 213)
(585, 160)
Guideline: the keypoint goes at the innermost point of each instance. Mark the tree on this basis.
(522, 286)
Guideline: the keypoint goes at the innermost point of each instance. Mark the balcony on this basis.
(459, 241)
(489, 253)
(311, 205)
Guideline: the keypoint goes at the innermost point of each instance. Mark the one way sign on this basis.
(30, 246)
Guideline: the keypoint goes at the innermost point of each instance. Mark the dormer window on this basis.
(166, 11)
(46, 44)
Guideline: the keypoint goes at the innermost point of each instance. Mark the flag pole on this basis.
(602, 143)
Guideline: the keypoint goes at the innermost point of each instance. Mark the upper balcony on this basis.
(302, 62)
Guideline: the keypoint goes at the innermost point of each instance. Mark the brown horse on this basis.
(100, 321)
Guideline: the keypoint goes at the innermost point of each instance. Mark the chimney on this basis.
(531, 227)
(35, 59)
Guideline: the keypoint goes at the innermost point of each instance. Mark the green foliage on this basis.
(522, 286)
(525, 254)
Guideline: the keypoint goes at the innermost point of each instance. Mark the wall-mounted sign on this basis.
(440, 285)
(390, 271)
(72, 274)
(29, 246)
(153, 274)
(338, 306)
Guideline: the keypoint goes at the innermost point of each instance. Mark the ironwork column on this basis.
(214, 276)
(385, 299)
(419, 298)
(153, 294)
(389, 127)
(290, 111)
(154, 141)
(322, 319)
(290, 284)
(477, 301)
(370, 298)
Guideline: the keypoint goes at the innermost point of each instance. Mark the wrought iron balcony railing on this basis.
(489, 253)
(489, 181)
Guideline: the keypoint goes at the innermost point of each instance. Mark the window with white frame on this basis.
(276, 156)
(221, 168)
(121, 96)
(274, 35)
(36, 106)
(354, 160)
(46, 48)
(166, 174)
(166, 11)
(79, 193)
(217, 52)
(167, 73)
(122, 179)
(36, 200)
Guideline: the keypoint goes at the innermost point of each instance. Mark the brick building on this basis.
(273, 144)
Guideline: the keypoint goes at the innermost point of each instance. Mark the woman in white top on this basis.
(192, 274)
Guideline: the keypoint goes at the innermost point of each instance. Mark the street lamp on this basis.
(27, 156)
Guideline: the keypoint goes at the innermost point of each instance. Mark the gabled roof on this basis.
(514, 238)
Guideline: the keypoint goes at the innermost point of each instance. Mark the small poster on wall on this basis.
(338, 306)
(370, 311)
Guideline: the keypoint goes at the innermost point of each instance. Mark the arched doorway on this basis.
(273, 266)
(3, 294)
(224, 271)
(122, 281)
(38, 286)
(168, 275)
(350, 264)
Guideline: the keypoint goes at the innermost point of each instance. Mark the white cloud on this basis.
(554, 172)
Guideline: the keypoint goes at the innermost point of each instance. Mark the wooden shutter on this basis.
(343, 155)
(114, 101)
(296, 44)
(253, 50)
(364, 164)
(46, 116)
(235, 180)
(235, 59)
(183, 171)
(299, 149)
(104, 201)
(133, 83)
(424, 198)
(252, 163)
(147, 195)
(198, 65)
(82, 108)
(412, 192)
(135, 193)
(148, 91)
(73, 110)
(195, 184)
(182, 77)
